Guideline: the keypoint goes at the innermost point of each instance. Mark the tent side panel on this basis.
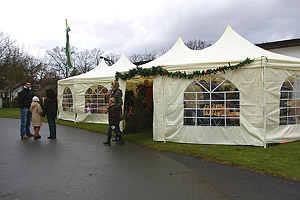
(81, 115)
(158, 115)
(123, 88)
(250, 131)
(64, 115)
(278, 133)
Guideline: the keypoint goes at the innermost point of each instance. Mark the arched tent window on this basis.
(95, 99)
(289, 105)
(67, 100)
(211, 101)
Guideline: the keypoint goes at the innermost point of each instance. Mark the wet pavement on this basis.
(77, 166)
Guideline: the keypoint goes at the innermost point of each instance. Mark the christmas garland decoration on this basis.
(178, 74)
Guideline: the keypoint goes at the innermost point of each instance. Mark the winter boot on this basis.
(37, 136)
(107, 143)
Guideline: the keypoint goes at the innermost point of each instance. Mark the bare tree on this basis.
(16, 66)
(57, 60)
(37, 68)
(163, 51)
(84, 61)
(111, 58)
(147, 56)
(6, 44)
(135, 58)
(97, 55)
(198, 44)
(13, 65)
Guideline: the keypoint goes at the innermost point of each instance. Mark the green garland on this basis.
(178, 74)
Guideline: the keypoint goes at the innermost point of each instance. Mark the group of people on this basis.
(146, 91)
(115, 102)
(114, 96)
(32, 112)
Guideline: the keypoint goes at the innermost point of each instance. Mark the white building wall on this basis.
(288, 51)
(16, 91)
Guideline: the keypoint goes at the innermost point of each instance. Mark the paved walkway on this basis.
(77, 166)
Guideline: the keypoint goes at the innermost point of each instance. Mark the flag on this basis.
(68, 51)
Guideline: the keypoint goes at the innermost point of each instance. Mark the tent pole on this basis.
(265, 106)
(74, 105)
(164, 109)
(123, 106)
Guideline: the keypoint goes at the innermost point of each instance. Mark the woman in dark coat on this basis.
(50, 110)
(116, 93)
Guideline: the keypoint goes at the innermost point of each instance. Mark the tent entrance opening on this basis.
(138, 111)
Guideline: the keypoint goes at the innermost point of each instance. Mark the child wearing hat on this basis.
(36, 110)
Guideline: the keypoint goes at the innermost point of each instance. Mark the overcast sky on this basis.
(137, 26)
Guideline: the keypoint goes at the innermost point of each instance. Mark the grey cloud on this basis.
(257, 21)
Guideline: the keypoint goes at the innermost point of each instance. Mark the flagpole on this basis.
(68, 50)
(67, 37)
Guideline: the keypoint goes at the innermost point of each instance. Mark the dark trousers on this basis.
(116, 130)
(52, 125)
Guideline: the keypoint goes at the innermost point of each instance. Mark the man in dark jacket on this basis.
(24, 100)
(114, 120)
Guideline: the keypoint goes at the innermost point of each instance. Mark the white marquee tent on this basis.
(73, 91)
(256, 104)
(183, 115)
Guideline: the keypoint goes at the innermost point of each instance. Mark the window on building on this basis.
(95, 100)
(289, 104)
(67, 101)
(211, 101)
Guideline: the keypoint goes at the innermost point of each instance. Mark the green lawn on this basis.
(280, 160)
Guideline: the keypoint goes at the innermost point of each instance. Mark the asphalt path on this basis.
(77, 166)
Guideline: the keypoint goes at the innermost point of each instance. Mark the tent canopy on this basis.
(178, 50)
(254, 118)
(103, 71)
(102, 76)
(231, 47)
(258, 84)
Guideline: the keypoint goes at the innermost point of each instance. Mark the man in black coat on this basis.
(24, 100)
(114, 120)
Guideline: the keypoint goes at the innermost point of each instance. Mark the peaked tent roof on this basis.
(101, 67)
(177, 50)
(98, 71)
(122, 65)
(231, 47)
(102, 70)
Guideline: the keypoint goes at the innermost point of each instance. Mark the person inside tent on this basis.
(144, 88)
